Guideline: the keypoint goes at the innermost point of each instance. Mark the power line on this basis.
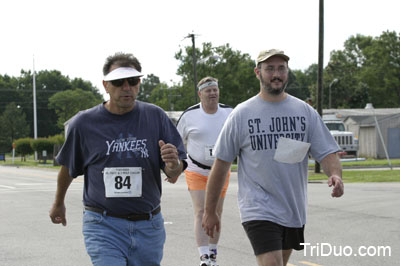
(28, 90)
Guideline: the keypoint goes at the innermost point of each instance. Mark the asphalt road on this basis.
(367, 216)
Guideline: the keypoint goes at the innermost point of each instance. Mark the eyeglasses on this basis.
(120, 82)
(280, 69)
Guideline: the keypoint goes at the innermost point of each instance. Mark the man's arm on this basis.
(215, 183)
(57, 211)
(173, 166)
(333, 169)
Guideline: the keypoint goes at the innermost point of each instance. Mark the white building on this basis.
(362, 123)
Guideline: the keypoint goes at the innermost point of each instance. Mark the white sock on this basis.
(213, 248)
(203, 250)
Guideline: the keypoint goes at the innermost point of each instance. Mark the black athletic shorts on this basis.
(267, 236)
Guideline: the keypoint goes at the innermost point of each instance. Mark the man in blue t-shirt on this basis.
(272, 133)
(120, 146)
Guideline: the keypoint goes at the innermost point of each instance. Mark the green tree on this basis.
(295, 88)
(20, 90)
(234, 71)
(47, 84)
(345, 66)
(305, 82)
(13, 126)
(78, 83)
(147, 85)
(368, 70)
(381, 70)
(168, 98)
(8, 91)
(159, 96)
(67, 103)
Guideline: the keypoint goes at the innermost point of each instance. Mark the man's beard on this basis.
(270, 90)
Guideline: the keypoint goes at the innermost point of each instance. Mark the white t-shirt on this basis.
(268, 189)
(199, 131)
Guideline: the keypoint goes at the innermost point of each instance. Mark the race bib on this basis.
(123, 182)
(209, 152)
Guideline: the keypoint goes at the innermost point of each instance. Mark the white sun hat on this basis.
(122, 72)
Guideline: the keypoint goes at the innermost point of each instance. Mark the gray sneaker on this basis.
(204, 260)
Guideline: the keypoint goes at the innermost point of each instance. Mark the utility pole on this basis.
(34, 107)
(192, 35)
(320, 67)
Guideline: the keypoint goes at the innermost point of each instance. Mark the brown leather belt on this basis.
(130, 217)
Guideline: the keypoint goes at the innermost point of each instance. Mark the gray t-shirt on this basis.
(268, 189)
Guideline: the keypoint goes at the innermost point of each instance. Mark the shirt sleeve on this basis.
(182, 129)
(322, 141)
(71, 154)
(228, 143)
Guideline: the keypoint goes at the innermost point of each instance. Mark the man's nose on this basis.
(276, 74)
(125, 85)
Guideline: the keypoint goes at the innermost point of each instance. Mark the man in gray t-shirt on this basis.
(272, 133)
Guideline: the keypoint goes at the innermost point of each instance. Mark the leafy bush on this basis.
(23, 147)
(57, 139)
(43, 144)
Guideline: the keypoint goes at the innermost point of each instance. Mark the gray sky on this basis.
(76, 36)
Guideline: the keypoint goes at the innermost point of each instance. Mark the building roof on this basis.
(367, 117)
(362, 112)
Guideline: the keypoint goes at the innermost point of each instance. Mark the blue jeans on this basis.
(114, 241)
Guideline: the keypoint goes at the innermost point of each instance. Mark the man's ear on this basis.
(105, 85)
(257, 71)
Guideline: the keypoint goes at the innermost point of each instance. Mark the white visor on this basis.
(121, 73)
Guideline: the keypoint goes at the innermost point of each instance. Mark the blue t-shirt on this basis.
(97, 139)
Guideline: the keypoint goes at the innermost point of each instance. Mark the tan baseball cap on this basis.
(265, 54)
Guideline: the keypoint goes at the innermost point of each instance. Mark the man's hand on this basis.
(210, 221)
(57, 214)
(169, 155)
(338, 187)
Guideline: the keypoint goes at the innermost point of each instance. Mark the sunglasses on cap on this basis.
(119, 82)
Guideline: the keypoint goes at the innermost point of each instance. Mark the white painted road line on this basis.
(3, 186)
